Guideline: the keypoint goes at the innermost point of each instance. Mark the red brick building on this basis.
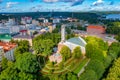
(95, 29)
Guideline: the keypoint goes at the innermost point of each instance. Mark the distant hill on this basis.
(48, 14)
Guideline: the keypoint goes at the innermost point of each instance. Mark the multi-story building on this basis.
(1, 52)
(35, 22)
(51, 28)
(7, 50)
(9, 29)
(24, 36)
(56, 20)
(10, 22)
(26, 20)
(1, 24)
(45, 21)
(4, 30)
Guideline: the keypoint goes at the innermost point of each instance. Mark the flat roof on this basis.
(23, 37)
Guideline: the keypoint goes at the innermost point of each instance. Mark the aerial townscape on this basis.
(59, 40)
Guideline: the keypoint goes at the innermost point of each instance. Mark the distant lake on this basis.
(113, 16)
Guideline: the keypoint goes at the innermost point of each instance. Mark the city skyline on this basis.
(58, 5)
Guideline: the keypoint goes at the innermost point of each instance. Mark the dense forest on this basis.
(91, 17)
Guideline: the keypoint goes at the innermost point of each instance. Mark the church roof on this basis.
(77, 41)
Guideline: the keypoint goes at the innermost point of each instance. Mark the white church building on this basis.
(72, 43)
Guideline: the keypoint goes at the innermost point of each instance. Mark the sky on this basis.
(58, 5)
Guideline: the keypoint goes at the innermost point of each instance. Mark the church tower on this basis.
(61, 44)
(63, 33)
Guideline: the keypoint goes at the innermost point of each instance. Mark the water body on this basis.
(113, 16)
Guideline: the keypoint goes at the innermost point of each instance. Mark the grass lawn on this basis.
(80, 66)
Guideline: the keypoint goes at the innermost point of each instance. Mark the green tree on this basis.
(23, 46)
(24, 43)
(43, 46)
(114, 50)
(113, 28)
(88, 75)
(77, 52)
(62, 77)
(56, 30)
(118, 37)
(27, 63)
(98, 41)
(4, 63)
(93, 51)
(68, 30)
(65, 52)
(96, 66)
(20, 50)
(61, 65)
(27, 76)
(74, 77)
(107, 61)
(55, 37)
(68, 36)
(71, 76)
(114, 72)
(10, 73)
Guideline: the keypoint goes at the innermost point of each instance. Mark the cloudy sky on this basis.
(58, 5)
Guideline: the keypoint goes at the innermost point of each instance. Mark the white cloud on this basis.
(50, 0)
(10, 4)
(68, 0)
(97, 8)
(98, 2)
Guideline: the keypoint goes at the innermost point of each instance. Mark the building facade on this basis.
(95, 29)
(7, 50)
(9, 29)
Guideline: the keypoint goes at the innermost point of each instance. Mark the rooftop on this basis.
(23, 37)
(96, 27)
(23, 30)
(7, 46)
(77, 41)
(5, 36)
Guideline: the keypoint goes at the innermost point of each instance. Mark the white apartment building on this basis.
(9, 29)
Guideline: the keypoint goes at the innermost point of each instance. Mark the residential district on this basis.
(58, 48)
